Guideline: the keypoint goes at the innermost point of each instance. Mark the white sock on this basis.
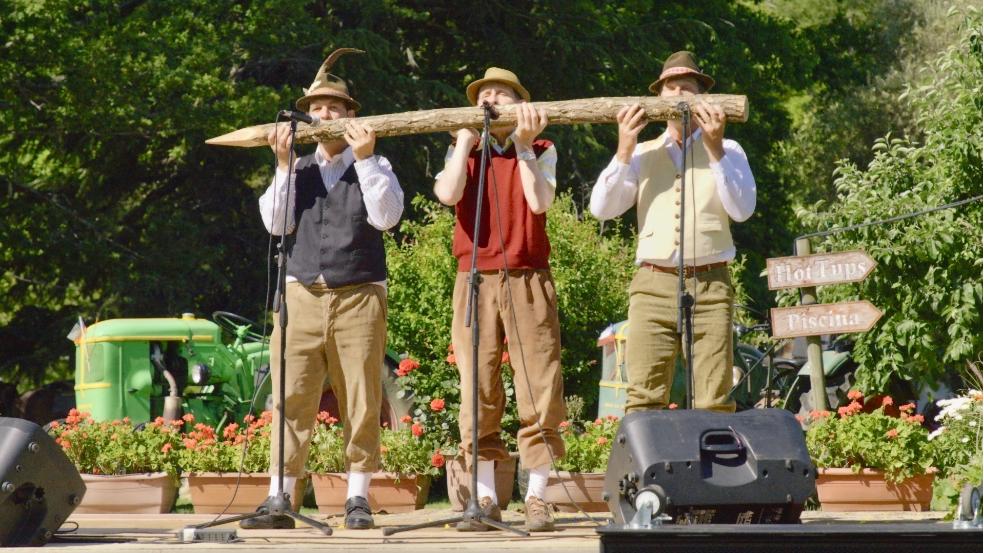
(538, 482)
(358, 484)
(289, 482)
(486, 480)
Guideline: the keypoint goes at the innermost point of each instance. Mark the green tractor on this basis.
(165, 367)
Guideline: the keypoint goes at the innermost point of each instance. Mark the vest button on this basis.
(676, 215)
(678, 175)
(677, 229)
(676, 202)
(677, 189)
(676, 242)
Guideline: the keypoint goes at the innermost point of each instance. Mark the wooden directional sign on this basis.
(818, 269)
(816, 320)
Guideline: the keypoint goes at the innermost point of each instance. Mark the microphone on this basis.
(493, 113)
(299, 116)
(683, 107)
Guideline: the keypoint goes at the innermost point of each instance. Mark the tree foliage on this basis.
(113, 206)
(928, 279)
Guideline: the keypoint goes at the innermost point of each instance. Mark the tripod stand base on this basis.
(277, 506)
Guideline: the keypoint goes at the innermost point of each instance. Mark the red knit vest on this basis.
(524, 233)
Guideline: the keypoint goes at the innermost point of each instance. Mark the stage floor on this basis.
(575, 534)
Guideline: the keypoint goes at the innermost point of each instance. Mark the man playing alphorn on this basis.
(719, 188)
(520, 184)
(343, 198)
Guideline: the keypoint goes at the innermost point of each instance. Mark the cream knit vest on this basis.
(658, 207)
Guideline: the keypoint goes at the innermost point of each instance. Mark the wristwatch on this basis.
(526, 155)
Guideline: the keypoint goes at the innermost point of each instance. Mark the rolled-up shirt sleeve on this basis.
(274, 208)
(735, 183)
(381, 192)
(616, 189)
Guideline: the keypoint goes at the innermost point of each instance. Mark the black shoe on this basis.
(358, 516)
(267, 522)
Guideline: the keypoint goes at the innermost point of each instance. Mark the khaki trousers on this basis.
(537, 328)
(652, 344)
(339, 333)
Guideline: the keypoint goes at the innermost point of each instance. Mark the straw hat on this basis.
(326, 84)
(496, 75)
(679, 64)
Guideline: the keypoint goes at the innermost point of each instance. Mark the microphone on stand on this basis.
(493, 113)
(299, 116)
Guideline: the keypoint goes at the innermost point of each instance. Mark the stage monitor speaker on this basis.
(703, 467)
(39, 486)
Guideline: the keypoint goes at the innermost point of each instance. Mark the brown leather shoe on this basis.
(490, 510)
(538, 517)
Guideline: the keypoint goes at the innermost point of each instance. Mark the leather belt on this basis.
(688, 270)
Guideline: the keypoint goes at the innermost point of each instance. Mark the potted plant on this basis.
(871, 461)
(125, 469)
(409, 458)
(580, 474)
(212, 463)
(958, 444)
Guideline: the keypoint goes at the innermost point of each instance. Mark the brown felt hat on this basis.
(327, 85)
(681, 64)
(496, 75)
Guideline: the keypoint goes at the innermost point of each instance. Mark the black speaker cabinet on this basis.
(39, 486)
(705, 467)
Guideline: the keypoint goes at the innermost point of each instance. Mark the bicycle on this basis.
(757, 371)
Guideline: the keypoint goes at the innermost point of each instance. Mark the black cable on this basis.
(519, 341)
(267, 300)
(835, 230)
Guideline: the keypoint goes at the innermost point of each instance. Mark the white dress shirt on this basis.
(381, 192)
(617, 189)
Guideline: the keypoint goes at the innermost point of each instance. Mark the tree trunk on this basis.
(564, 112)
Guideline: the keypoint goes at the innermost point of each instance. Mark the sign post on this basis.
(806, 272)
(814, 353)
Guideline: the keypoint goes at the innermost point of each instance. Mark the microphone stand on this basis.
(685, 302)
(280, 505)
(473, 513)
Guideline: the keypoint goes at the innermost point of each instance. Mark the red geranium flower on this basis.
(672, 406)
(437, 405)
(451, 360)
(406, 419)
(887, 400)
(437, 460)
(417, 429)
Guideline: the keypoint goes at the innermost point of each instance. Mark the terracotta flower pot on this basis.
(150, 493)
(388, 492)
(212, 491)
(459, 482)
(584, 488)
(840, 489)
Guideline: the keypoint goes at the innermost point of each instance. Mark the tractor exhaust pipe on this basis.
(172, 402)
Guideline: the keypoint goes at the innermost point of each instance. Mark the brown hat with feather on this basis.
(327, 85)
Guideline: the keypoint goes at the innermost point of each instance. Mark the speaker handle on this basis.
(721, 441)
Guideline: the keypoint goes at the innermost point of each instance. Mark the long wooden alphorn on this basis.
(564, 112)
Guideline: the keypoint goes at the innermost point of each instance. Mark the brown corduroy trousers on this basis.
(339, 333)
(533, 337)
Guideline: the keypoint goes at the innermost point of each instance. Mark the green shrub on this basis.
(591, 273)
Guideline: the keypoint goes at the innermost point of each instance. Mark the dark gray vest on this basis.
(333, 237)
